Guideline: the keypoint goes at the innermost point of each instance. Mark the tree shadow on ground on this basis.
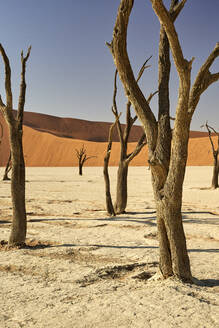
(207, 250)
(107, 246)
(143, 220)
(208, 282)
(4, 222)
(213, 221)
(135, 213)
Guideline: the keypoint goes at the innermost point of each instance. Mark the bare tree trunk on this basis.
(7, 168)
(121, 191)
(214, 183)
(210, 129)
(109, 204)
(19, 223)
(80, 169)
(173, 252)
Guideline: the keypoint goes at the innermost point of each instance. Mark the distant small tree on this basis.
(82, 158)
(215, 150)
(19, 222)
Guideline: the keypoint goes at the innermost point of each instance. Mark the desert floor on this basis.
(84, 269)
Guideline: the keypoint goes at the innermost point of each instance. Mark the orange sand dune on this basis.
(82, 129)
(48, 147)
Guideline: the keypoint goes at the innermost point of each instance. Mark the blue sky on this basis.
(70, 71)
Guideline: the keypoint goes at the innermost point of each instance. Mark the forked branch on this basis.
(182, 65)
(203, 79)
(118, 48)
(9, 98)
(22, 88)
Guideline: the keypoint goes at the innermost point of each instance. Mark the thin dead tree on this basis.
(210, 129)
(125, 157)
(7, 169)
(19, 222)
(167, 151)
(82, 158)
(109, 203)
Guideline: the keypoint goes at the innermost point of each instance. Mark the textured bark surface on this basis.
(7, 169)
(214, 182)
(167, 152)
(122, 188)
(109, 204)
(19, 222)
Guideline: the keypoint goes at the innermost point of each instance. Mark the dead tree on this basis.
(214, 183)
(7, 169)
(82, 158)
(167, 151)
(19, 222)
(109, 203)
(125, 157)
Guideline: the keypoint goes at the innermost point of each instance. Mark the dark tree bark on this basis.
(19, 223)
(167, 157)
(109, 203)
(1, 133)
(214, 182)
(82, 158)
(7, 169)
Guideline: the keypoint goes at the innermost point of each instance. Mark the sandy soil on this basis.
(84, 269)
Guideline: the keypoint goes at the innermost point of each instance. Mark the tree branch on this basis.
(129, 120)
(151, 96)
(142, 69)
(175, 9)
(182, 65)
(115, 111)
(87, 158)
(121, 59)
(141, 143)
(22, 89)
(9, 98)
(209, 128)
(203, 80)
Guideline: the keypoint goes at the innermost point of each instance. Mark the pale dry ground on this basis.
(84, 269)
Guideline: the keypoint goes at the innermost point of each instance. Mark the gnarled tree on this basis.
(210, 129)
(167, 151)
(82, 158)
(19, 223)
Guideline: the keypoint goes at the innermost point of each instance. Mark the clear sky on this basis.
(70, 71)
